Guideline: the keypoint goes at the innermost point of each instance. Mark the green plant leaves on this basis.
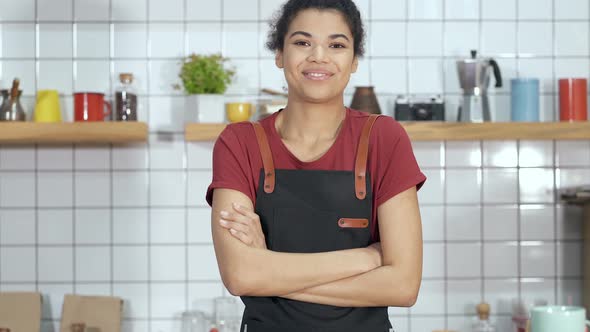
(205, 74)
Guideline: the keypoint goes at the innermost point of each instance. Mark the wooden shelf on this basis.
(451, 131)
(72, 132)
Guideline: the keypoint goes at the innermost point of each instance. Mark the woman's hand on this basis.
(244, 225)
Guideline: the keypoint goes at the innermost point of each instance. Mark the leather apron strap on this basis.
(267, 162)
(360, 168)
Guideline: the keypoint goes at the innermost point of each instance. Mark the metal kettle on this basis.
(474, 78)
(474, 73)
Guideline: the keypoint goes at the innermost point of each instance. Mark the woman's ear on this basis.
(279, 59)
(355, 64)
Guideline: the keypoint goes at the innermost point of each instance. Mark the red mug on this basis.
(89, 106)
(573, 99)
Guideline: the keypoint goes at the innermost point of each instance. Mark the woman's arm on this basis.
(251, 271)
(397, 282)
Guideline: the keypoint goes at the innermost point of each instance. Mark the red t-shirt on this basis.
(391, 162)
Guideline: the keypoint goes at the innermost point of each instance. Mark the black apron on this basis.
(310, 211)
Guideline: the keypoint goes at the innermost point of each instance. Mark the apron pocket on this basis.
(307, 230)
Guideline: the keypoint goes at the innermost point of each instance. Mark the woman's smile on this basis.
(317, 74)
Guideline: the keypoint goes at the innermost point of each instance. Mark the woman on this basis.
(315, 217)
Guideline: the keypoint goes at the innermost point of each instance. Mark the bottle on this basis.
(125, 99)
(483, 323)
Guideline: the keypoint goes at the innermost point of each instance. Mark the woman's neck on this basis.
(309, 123)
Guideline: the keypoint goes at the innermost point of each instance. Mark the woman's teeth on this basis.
(317, 76)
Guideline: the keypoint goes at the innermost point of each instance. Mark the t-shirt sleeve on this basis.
(396, 167)
(230, 165)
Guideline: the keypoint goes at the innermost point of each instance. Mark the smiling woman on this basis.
(315, 216)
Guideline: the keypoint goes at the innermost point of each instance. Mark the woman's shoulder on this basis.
(236, 138)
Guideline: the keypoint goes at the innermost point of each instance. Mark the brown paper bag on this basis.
(98, 313)
(20, 312)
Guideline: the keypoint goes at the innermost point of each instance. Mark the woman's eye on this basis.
(338, 46)
(302, 43)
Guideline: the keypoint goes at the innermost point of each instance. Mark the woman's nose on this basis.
(318, 54)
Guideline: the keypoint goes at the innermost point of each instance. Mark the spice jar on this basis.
(125, 99)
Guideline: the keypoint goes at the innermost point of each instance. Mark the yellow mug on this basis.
(238, 112)
(47, 107)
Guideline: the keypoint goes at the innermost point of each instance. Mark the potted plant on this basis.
(205, 79)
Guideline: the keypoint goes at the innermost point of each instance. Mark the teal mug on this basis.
(558, 318)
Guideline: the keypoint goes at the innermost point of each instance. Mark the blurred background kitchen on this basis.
(131, 221)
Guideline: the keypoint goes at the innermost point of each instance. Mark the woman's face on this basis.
(318, 56)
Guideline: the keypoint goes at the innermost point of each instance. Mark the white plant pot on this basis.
(205, 108)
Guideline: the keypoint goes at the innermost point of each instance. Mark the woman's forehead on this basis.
(320, 22)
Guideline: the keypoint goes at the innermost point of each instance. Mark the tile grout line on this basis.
(553, 156)
(185, 168)
(111, 165)
(444, 149)
(554, 222)
(445, 198)
(518, 223)
(148, 180)
(482, 252)
(74, 221)
(553, 63)
(517, 39)
(202, 21)
(73, 150)
(36, 152)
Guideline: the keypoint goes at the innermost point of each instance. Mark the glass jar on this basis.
(227, 315)
(195, 321)
(483, 324)
(125, 99)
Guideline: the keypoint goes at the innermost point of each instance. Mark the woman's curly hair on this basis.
(280, 24)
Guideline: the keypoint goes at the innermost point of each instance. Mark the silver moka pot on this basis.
(474, 78)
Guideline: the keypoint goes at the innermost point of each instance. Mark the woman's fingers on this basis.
(236, 217)
(244, 211)
(241, 236)
(234, 225)
(244, 224)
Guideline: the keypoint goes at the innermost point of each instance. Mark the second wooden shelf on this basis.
(450, 131)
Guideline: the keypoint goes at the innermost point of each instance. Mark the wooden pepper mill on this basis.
(78, 327)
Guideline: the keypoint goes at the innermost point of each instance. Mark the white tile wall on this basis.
(461, 9)
(92, 10)
(58, 10)
(92, 226)
(22, 232)
(132, 220)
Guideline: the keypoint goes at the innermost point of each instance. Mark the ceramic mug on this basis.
(47, 106)
(89, 106)
(558, 318)
(238, 112)
(573, 99)
(524, 99)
